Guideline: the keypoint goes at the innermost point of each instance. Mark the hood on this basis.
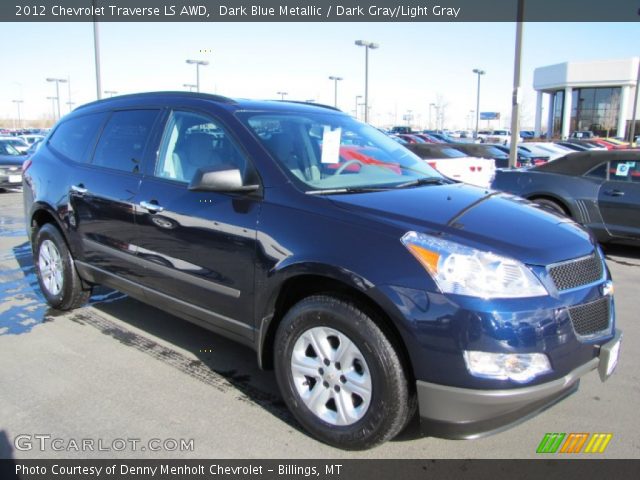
(483, 219)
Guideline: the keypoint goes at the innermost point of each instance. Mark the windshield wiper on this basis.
(424, 181)
(331, 191)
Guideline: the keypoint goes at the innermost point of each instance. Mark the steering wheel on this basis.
(346, 164)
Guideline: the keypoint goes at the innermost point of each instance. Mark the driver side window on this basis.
(192, 141)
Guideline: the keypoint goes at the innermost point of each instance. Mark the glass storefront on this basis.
(594, 109)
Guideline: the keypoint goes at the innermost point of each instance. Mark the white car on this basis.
(455, 164)
(551, 150)
(502, 136)
(17, 143)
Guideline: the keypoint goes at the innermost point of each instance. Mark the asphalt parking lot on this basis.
(119, 369)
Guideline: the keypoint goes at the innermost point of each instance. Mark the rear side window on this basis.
(123, 140)
(75, 137)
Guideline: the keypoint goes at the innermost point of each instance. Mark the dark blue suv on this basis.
(372, 284)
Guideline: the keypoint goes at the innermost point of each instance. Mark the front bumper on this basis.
(453, 412)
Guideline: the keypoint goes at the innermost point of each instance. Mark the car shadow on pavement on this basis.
(223, 364)
(220, 363)
(619, 250)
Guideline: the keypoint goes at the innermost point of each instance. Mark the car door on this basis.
(102, 194)
(619, 199)
(199, 247)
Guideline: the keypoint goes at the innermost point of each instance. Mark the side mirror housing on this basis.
(209, 180)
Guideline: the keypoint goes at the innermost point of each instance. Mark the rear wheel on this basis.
(551, 205)
(56, 271)
(340, 375)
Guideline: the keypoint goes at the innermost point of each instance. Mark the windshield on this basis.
(7, 149)
(329, 151)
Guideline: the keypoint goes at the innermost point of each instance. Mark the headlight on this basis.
(519, 367)
(467, 271)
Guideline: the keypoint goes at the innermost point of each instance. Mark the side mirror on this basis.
(206, 180)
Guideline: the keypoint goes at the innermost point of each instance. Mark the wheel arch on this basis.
(41, 213)
(299, 286)
(554, 198)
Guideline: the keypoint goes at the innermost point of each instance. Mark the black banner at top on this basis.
(318, 10)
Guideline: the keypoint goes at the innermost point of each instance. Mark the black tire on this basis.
(551, 205)
(72, 294)
(392, 401)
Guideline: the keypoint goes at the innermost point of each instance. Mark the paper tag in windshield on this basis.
(622, 170)
(331, 145)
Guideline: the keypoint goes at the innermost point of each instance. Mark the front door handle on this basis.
(151, 207)
(79, 189)
(614, 193)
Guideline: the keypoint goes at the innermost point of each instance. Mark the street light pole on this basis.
(367, 45)
(111, 93)
(282, 94)
(53, 107)
(478, 72)
(197, 63)
(57, 81)
(69, 102)
(515, 98)
(335, 89)
(190, 86)
(18, 102)
(96, 54)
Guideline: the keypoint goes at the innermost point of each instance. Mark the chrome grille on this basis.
(590, 318)
(575, 273)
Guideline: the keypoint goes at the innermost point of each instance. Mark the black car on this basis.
(487, 150)
(525, 157)
(598, 189)
(371, 284)
(10, 166)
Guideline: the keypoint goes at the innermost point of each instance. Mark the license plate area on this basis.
(609, 354)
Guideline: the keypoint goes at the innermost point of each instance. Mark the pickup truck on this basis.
(502, 137)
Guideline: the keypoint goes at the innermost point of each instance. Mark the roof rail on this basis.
(321, 105)
(206, 96)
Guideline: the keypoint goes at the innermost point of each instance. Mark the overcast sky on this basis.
(416, 64)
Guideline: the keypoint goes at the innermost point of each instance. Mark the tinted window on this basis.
(7, 149)
(75, 137)
(123, 139)
(598, 172)
(193, 141)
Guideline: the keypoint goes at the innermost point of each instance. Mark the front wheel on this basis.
(340, 375)
(56, 271)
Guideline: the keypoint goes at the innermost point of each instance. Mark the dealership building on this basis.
(596, 96)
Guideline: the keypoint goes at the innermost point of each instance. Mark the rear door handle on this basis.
(614, 193)
(151, 207)
(79, 189)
